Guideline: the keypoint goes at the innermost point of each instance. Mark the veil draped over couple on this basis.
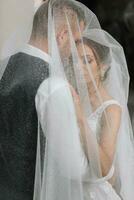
(65, 130)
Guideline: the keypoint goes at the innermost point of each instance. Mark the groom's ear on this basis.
(62, 37)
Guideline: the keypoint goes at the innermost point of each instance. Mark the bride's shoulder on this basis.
(109, 101)
(111, 106)
(113, 110)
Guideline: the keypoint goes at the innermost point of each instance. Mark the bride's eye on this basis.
(89, 60)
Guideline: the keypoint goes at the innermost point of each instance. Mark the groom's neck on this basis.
(40, 44)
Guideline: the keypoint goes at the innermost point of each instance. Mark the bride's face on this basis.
(92, 63)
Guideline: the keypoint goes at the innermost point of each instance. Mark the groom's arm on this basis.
(63, 135)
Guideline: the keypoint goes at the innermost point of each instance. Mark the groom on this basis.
(18, 118)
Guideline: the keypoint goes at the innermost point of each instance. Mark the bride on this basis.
(82, 109)
(95, 55)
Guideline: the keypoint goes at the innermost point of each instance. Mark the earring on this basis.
(102, 72)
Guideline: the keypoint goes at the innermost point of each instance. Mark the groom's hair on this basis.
(40, 21)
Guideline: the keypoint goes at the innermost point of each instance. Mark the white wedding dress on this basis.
(101, 189)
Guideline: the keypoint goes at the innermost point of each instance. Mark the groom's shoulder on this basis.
(30, 66)
(21, 58)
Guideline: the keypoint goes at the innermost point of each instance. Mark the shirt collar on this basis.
(36, 52)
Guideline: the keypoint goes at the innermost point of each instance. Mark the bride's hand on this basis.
(78, 106)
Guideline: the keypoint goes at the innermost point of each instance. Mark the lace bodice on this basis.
(102, 184)
(94, 123)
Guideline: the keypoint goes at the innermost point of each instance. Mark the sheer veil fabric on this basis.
(87, 89)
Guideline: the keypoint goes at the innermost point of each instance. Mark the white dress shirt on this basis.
(36, 52)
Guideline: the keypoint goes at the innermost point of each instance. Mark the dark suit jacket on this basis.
(18, 125)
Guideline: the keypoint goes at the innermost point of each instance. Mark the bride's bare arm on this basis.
(110, 124)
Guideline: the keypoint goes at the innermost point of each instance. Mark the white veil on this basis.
(64, 175)
(70, 164)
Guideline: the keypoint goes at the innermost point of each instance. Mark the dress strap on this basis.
(110, 102)
(107, 103)
(104, 105)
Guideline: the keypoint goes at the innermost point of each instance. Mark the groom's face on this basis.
(64, 38)
(78, 30)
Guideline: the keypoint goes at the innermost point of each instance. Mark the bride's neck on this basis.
(95, 92)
